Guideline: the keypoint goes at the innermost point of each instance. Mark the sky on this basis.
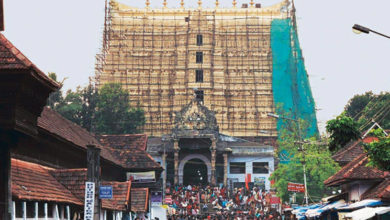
(64, 37)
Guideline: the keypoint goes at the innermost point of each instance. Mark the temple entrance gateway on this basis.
(189, 167)
(195, 173)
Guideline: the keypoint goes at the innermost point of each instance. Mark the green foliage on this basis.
(357, 104)
(342, 130)
(55, 97)
(367, 107)
(105, 112)
(114, 115)
(317, 159)
(379, 153)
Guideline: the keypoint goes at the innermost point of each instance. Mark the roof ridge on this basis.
(24, 61)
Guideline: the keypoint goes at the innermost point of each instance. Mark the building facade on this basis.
(207, 79)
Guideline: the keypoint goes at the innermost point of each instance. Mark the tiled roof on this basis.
(74, 180)
(121, 196)
(355, 170)
(348, 153)
(33, 182)
(139, 199)
(380, 191)
(133, 141)
(352, 150)
(54, 123)
(130, 151)
(11, 58)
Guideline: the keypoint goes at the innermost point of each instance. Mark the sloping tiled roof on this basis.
(11, 58)
(348, 153)
(134, 141)
(130, 151)
(352, 150)
(33, 182)
(139, 199)
(380, 191)
(74, 180)
(121, 196)
(54, 123)
(355, 170)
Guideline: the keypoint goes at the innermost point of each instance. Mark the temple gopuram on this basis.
(207, 79)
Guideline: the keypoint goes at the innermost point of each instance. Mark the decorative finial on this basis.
(199, 4)
(252, 4)
(216, 3)
(165, 4)
(147, 3)
(182, 3)
(234, 3)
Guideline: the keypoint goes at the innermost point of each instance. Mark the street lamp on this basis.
(358, 29)
(273, 115)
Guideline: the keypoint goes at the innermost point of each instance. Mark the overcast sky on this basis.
(63, 36)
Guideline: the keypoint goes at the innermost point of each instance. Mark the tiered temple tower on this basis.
(200, 73)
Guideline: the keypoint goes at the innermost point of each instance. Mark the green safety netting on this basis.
(290, 83)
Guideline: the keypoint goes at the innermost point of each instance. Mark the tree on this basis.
(368, 107)
(317, 158)
(105, 112)
(114, 114)
(55, 97)
(342, 130)
(356, 105)
(378, 152)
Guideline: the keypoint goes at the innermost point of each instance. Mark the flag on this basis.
(247, 180)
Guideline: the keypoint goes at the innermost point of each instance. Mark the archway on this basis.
(200, 157)
(195, 173)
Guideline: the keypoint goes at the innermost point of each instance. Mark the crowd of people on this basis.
(197, 202)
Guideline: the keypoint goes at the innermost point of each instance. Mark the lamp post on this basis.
(358, 29)
(300, 149)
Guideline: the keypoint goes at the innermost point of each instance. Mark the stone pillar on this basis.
(225, 168)
(164, 173)
(5, 182)
(213, 150)
(176, 150)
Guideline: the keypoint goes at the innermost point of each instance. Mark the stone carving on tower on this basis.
(195, 119)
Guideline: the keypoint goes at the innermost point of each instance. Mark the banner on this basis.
(156, 198)
(142, 177)
(89, 202)
(295, 187)
(260, 182)
(275, 200)
(168, 199)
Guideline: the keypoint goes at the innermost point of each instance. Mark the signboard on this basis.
(260, 182)
(168, 199)
(156, 198)
(142, 177)
(105, 192)
(275, 200)
(295, 187)
(89, 201)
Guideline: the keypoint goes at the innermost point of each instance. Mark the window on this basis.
(237, 168)
(199, 40)
(199, 75)
(260, 167)
(199, 57)
(199, 95)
